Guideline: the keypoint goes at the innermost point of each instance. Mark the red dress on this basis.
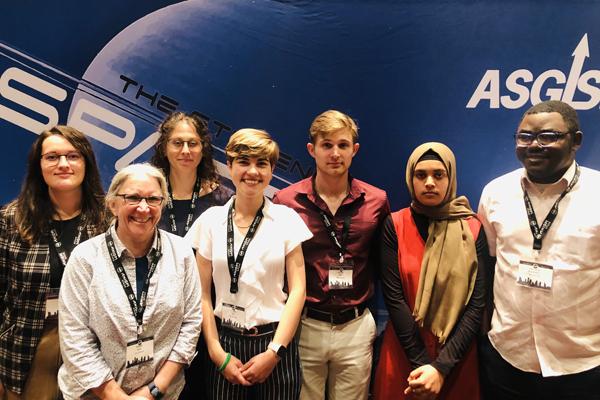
(393, 368)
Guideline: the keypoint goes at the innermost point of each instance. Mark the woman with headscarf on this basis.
(433, 262)
(60, 205)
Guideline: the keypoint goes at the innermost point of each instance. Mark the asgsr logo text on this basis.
(522, 86)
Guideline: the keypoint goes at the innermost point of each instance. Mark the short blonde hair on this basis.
(250, 142)
(331, 121)
(145, 170)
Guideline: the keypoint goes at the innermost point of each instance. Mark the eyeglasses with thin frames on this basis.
(543, 138)
(51, 159)
(134, 199)
(178, 144)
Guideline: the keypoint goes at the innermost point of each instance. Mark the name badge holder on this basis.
(51, 312)
(140, 350)
(233, 316)
(535, 275)
(340, 275)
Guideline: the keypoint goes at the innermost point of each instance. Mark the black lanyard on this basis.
(137, 305)
(60, 249)
(340, 244)
(537, 231)
(235, 265)
(190, 216)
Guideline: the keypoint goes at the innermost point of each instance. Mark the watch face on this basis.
(154, 391)
(282, 351)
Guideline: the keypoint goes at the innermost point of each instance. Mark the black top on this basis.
(181, 208)
(406, 328)
(141, 272)
(67, 230)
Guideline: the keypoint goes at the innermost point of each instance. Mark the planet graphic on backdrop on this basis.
(239, 64)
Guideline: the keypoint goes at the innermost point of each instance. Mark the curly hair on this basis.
(206, 169)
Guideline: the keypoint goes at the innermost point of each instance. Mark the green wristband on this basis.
(224, 365)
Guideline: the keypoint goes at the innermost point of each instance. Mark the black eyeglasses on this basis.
(134, 199)
(52, 159)
(543, 138)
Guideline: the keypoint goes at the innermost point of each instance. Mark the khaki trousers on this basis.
(41, 381)
(336, 356)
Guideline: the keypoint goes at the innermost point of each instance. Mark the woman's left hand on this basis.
(425, 382)
(142, 392)
(259, 367)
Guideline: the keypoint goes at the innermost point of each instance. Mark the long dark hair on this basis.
(206, 168)
(34, 209)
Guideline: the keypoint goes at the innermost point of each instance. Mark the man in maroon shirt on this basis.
(344, 214)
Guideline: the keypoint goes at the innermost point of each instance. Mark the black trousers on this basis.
(196, 380)
(501, 381)
(284, 383)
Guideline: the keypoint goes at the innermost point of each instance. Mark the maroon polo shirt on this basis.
(367, 207)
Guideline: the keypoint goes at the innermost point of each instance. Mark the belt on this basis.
(253, 331)
(335, 318)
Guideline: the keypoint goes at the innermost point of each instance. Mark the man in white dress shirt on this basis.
(543, 227)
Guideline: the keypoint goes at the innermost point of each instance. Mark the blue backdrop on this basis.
(408, 71)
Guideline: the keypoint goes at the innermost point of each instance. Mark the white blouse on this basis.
(262, 275)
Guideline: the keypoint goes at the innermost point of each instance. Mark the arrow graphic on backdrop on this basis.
(580, 53)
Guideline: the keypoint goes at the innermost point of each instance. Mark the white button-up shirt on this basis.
(557, 331)
(96, 321)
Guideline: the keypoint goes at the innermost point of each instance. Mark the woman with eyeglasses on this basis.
(434, 256)
(59, 206)
(184, 153)
(251, 249)
(129, 302)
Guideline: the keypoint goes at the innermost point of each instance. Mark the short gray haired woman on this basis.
(129, 303)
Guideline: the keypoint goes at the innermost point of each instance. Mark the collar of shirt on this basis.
(121, 249)
(266, 209)
(557, 186)
(307, 188)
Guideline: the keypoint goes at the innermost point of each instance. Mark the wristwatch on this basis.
(155, 391)
(279, 349)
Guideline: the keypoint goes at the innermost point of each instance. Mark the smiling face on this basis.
(137, 222)
(184, 148)
(430, 182)
(333, 153)
(549, 163)
(67, 173)
(250, 175)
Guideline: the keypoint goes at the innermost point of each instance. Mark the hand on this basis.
(425, 382)
(141, 393)
(1, 390)
(259, 367)
(232, 371)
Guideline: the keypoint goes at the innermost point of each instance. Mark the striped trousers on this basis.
(284, 383)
